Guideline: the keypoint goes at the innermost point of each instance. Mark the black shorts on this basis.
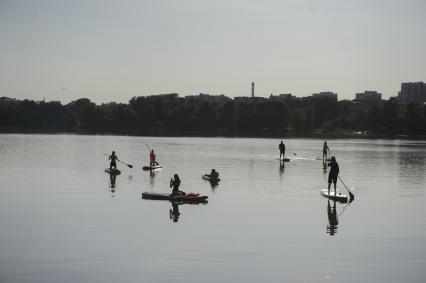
(332, 179)
(113, 164)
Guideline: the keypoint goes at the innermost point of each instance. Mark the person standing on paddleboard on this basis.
(175, 184)
(281, 146)
(152, 161)
(334, 172)
(113, 159)
(325, 151)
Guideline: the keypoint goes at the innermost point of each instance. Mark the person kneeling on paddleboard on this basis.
(174, 184)
(281, 146)
(214, 175)
(334, 172)
(113, 158)
(152, 161)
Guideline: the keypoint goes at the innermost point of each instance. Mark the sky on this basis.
(114, 50)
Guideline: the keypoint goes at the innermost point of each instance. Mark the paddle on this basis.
(128, 165)
(351, 195)
(293, 153)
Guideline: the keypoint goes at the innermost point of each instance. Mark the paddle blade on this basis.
(130, 166)
(351, 196)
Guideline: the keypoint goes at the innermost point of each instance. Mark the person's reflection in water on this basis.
(152, 178)
(174, 212)
(112, 178)
(213, 185)
(332, 219)
(282, 167)
(324, 167)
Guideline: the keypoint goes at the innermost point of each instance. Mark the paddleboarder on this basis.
(113, 159)
(281, 146)
(214, 175)
(325, 151)
(175, 184)
(152, 161)
(333, 174)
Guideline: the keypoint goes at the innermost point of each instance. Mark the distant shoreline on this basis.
(157, 132)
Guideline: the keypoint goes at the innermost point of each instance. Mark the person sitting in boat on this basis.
(174, 184)
(214, 175)
(333, 174)
(152, 161)
(113, 158)
(281, 146)
(325, 151)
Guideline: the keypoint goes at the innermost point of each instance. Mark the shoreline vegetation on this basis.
(171, 115)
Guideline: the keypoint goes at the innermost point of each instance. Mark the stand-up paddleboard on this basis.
(284, 159)
(113, 171)
(205, 177)
(152, 167)
(338, 196)
(190, 197)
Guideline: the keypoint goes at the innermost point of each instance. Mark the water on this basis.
(62, 222)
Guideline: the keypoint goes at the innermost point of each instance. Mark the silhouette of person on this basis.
(175, 184)
(332, 219)
(333, 174)
(113, 158)
(281, 146)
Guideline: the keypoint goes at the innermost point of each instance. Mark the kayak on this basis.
(208, 178)
(338, 197)
(112, 171)
(152, 167)
(284, 159)
(191, 197)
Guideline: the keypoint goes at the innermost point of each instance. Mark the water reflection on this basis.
(174, 212)
(412, 174)
(282, 167)
(213, 184)
(112, 179)
(332, 218)
(152, 174)
(324, 166)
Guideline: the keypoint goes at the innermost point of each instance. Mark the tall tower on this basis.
(252, 89)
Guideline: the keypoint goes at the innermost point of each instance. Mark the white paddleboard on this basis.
(338, 196)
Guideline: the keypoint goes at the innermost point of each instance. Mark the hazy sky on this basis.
(114, 50)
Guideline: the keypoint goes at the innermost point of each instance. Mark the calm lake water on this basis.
(60, 220)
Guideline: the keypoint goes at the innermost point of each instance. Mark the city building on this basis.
(282, 96)
(412, 93)
(368, 96)
(325, 94)
(252, 89)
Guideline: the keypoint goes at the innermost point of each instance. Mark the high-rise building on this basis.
(412, 93)
(252, 89)
(368, 96)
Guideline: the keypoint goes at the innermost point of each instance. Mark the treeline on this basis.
(169, 112)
